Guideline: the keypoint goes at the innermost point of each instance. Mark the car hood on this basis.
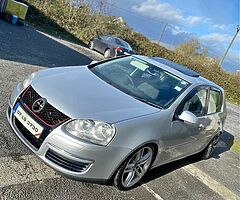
(79, 93)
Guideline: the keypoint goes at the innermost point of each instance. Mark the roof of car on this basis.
(177, 66)
(114, 37)
(179, 70)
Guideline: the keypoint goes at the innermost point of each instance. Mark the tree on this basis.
(192, 48)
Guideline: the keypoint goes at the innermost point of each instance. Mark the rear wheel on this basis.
(134, 168)
(208, 151)
(91, 45)
(107, 53)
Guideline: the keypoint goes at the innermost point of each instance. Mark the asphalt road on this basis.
(22, 176)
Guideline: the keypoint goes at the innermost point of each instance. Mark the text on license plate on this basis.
(27, 121)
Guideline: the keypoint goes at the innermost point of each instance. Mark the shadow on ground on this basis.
(25, 44)
(228, 138)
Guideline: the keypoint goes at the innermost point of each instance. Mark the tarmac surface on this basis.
(24, 50)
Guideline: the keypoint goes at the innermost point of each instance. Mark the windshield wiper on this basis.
(147, 102)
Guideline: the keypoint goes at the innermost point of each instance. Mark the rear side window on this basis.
(107, 39)
(215, 102)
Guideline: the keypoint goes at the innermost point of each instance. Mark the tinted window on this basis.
(142, 80)
(215, 102)
(107, 39)
(196, 103)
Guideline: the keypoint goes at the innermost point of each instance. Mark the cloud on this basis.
(195, 20)
(176, 30)
(219, 26)
(215, 38)
(166, 13)
(175, 35)
(223, 27)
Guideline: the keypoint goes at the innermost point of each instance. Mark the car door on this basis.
(100, 43)
(213, 122)
(110, 43)
(185, 136)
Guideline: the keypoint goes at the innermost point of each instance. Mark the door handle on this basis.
(201, 126)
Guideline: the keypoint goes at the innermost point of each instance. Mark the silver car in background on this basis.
(116, 119)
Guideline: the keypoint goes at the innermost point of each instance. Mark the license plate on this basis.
(27, 121)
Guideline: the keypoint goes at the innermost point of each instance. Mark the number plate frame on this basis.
(28, 122)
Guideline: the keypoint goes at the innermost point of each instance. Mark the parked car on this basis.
(110, 46)
(118, 118)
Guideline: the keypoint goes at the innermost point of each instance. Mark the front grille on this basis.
(49, 115)
(66, 163)
(27, 134)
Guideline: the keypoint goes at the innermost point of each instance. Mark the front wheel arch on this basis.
(91, 44)
(107, 49)
(155, 151)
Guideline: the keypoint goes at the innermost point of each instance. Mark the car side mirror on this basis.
(99, 37)
(188, 117)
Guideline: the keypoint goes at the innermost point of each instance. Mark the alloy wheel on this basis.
(90, 45)
(107, 53)
(137, 166)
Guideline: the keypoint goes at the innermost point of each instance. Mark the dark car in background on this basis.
(110, 46)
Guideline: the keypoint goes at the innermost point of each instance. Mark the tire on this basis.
(208, 150)
(134, 168)
(91, 45)
(107, 53)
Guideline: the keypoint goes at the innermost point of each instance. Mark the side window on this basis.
(108, 39)
(196, 103)
(215, 102)
(104, 38)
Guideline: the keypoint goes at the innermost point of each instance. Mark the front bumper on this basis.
(61, 151)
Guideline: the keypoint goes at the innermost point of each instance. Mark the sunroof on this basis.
(177, 67)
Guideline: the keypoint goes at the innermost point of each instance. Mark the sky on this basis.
(212, 22)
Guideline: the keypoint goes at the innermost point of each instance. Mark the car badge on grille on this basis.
(38, 105)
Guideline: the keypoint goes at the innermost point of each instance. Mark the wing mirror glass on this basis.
(188, 117)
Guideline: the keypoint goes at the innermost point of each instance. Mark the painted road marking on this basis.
(155, 195)
(224, 145)
(28, 168)
(211, 183)
(22, 170)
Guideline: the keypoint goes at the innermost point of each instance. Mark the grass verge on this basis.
(236, 146)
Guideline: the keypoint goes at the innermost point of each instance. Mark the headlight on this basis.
(90, 130)
(28, 81)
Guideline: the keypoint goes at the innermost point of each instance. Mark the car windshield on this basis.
(123, 43)
(142, 80)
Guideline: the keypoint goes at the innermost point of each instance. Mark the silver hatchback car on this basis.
(116, 119)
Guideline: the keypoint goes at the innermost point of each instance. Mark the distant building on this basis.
(119, 20)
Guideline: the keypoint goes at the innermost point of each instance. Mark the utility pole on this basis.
(162, 33)
(225, 54)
